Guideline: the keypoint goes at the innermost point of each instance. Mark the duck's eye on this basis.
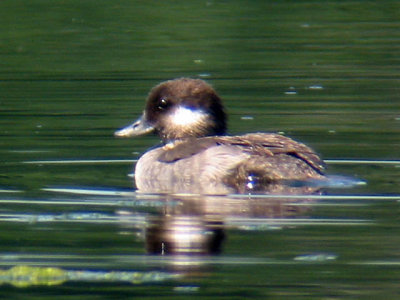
(163, 104)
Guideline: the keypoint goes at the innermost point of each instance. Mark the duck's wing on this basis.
(258, 144)
(270, 144)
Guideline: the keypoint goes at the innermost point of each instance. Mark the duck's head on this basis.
(178, 109)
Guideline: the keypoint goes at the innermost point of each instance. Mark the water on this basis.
(71, 73)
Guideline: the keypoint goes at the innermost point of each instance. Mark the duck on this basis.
(197, 155)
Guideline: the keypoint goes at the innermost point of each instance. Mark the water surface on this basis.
(71, 73)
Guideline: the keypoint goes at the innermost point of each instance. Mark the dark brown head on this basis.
(178, 109)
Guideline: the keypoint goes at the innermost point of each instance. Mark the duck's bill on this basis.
(138, 128)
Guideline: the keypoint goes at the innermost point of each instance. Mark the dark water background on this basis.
(72, 72)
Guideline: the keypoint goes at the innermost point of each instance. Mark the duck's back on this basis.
(227, 164)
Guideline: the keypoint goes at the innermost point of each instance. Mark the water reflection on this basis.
(196, 224)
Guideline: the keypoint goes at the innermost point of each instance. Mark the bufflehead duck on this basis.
(198, 157)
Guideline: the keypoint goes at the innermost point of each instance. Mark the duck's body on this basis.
(198, 158)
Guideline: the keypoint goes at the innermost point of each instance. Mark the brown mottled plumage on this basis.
(198, 158)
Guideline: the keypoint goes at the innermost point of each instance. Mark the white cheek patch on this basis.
(183, 116)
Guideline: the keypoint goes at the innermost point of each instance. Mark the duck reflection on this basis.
(195, 225)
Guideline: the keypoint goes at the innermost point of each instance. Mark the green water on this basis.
(72, 72)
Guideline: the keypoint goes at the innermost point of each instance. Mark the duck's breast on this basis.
(203, 172)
